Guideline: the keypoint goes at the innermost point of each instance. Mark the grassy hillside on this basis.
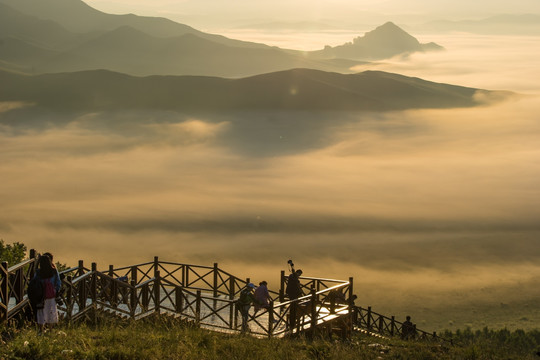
(298, 89)
(161, 338)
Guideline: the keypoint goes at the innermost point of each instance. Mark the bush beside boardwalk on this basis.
(162, 338)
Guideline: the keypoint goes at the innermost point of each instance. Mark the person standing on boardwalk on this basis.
(262, 296)
(51, 285)
(294, 289)
(244, 304)
(408, 329)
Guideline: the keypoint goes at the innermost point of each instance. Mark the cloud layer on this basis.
(423, 202)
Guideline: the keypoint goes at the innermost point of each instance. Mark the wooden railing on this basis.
(205, 295)
(373, 322)
(13, 284)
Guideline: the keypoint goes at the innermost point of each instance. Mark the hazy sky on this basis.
(216, 13)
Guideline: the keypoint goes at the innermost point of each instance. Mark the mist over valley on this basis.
(414, 170)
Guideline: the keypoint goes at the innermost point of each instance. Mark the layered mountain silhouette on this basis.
(297, 89)
(68, 35)
(78, 17)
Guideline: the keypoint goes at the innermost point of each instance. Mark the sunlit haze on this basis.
(437, 204)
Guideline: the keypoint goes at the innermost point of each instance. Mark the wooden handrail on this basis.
(82, 277)
(144, 283)
(322, 279)
(20, 265)
(130, 266)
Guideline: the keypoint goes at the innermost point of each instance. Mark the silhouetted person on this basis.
(47, 312)
(59, 293)
(408, 329)
(294, 290)
(244, 304)
(262, 297)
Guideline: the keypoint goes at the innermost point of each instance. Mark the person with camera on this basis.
(294, 289)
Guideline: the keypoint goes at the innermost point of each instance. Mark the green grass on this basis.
(162, 338)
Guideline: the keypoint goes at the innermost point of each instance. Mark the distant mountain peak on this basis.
(390, 32)
(385, 41)
(388, 25)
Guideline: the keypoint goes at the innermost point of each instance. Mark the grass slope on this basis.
(162, 338)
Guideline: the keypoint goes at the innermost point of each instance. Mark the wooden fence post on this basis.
(134, 274)
(93, 287)
(216, 279)
(4, 291)
(313, 302)
(156, 265)
(232, 308)
(368, 320)
(113, 298)
(82, 294)
(393, 326)
(215, 286)
(18, 286)
(80, 271)
(69, 298)
(183, 275)
(179, 299)
(232, 288)
(351, 291)
(271, 318)
(157, 291)
(145, 299)
(133, 298)
(282, 286)
(198, 308)
(381, 324)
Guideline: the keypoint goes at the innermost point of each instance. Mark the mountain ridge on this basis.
(297, 89)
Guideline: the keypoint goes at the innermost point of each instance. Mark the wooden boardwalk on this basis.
(203, 295)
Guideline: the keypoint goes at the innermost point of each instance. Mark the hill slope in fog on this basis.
(297, 89)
